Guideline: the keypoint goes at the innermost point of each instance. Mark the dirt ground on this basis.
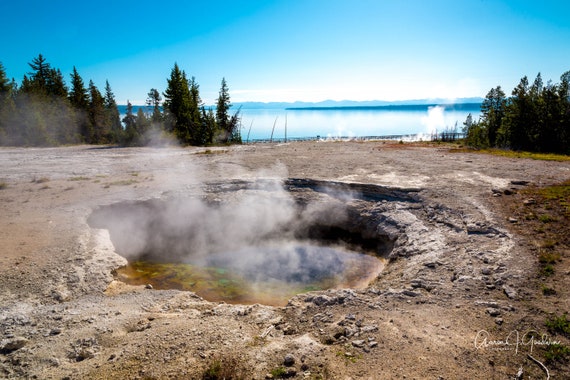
(460, 297)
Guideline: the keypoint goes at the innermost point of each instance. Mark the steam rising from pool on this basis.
(253, 242)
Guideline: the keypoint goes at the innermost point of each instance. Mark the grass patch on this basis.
(79, 178)
(547, 291)
(279, 373)
(210, 151)
(547, 270)
(514, 154)
(557, 353)
(40, 180)
(531, 155)
(558, 194)
(348, 356)
(124, 182)
(548, 257)
(226, 368)
(547, 244)
(545, 218)
(559, 325)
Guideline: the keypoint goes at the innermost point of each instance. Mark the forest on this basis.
(535, 118)
(44, 111)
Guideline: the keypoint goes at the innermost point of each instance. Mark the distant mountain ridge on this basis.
(336, 104)
(354, 103)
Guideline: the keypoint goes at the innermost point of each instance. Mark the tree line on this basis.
(536, 117)
(44, 111)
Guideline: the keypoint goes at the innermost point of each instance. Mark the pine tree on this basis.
(4, 82)
(222, 110)
(78, 95)
(40, 75)
(79, 99)
(228, 125)
(177, 106)
(153, 101)
(515, 127)
(131, 135)
(142, 126)
(493, 111)
(55, 85)
(199, 133)
(112, 115)
(101, 133)
(564, 98)
(7, 106)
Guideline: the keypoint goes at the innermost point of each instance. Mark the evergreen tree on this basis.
(200, 135)
(101, 132)
(209, 124)
(153, 101)
(222, 110)
(131, 135)
(516, 124)
(563, 134)
(493, 111)
(548, 119)
(4, 82)
(40, 75)
(7, 106)
(78, 95)
(43, 113)
(112, 115)
(55, 85)
(228, 125)
(79, 99)
(142, 126)
(177, 106)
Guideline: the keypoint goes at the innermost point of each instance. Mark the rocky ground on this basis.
(464, 294)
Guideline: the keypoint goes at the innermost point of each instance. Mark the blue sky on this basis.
(287, 50)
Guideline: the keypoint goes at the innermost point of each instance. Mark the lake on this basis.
(353, 122)
(336, 122)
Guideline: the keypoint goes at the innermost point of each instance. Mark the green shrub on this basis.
(559, 325)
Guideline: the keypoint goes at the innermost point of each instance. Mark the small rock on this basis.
(55, 331)
(410, 293)
(13, 344)
(372, 344)
(499, 321)
(519, 182)
(508, 192)
(493, 312)
(320, 300)
(358, 343)
(148, 286)
(486, 271)
(291, 372)
(510, 292)
(60, 296)
(512, 220)
(529, 201)
(289, 360)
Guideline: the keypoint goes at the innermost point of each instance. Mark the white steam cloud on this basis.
(257, 229)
